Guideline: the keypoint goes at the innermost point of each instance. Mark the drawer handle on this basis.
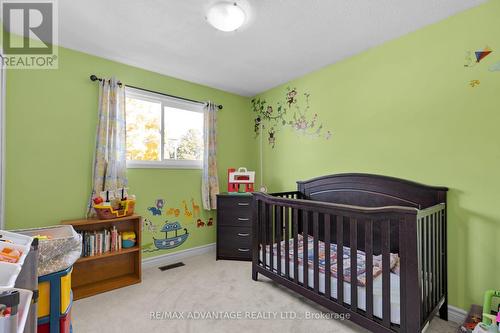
(243, 204)
(243, 235)
(243, 250)
(243, 219)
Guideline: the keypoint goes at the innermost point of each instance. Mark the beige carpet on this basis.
(205, 284)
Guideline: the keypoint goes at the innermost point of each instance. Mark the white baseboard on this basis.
(170, 258)
(456, 315)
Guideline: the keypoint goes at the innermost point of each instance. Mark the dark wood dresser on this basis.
(234, 226)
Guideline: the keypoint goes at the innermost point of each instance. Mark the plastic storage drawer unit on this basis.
(55, 300)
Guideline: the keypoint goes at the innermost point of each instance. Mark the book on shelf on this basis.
(100, 241)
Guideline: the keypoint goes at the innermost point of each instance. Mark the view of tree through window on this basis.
(181, 131)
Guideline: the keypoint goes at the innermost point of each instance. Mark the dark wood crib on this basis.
(380, 216)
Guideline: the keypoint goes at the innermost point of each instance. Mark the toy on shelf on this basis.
(113, 204)
(240, 177)
(128, 239)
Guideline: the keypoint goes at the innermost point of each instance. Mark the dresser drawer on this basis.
(234, 242)
(235, 218)
(239, 203)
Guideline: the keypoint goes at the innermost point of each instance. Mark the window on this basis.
(163, 132)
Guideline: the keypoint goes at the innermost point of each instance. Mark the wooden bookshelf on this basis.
(112, 270)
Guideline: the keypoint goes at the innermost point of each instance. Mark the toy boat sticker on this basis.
(175, 239)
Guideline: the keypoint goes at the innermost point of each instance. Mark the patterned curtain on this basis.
(210, 181)
(110, 169)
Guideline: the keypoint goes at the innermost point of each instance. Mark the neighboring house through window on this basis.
(163, 132)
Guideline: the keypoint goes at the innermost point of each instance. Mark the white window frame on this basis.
(165, 101)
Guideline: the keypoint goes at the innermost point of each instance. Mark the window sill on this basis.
(173, 164)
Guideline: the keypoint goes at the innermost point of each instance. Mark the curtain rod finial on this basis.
(93, 77)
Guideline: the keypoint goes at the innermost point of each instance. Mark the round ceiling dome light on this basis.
(226, 16)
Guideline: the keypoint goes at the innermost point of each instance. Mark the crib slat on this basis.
(353, 232)
(305, 245)
(340, 260)
(287, 242)
(402, 273)
(431, 268)
(264, 232)
(427, 267)
(420, 265)
(271, 237)
(279, 228)
(386, 271)
(440, 255)
(434, 261)
(295, 218)
(369, 267)
(328, 265)
(316, 251)
(424, 267)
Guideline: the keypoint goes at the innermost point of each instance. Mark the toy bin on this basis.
(55, 301)
(58, 247)
(107, 212)
(16, 302)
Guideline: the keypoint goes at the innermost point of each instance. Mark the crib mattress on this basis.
(377, 287)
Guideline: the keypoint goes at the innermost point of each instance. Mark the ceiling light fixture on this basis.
(226, 16)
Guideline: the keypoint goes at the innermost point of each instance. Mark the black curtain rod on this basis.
(95, 78)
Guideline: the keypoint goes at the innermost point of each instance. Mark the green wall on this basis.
(406, 109)
(51, 122)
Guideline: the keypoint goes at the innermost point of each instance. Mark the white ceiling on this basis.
(282, 40)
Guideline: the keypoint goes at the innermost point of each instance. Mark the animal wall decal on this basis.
(155, 211)
(160, 203)
(210, 222)
(293, 111)
(200, 223)
(196, 208)
(148, 224)
(173, 212)
(187, 212)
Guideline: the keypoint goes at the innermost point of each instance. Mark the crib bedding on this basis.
(377, 274)
(346, 259)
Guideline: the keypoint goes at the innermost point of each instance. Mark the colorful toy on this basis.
(128, 239)
(488, 318)
(10, 255)
(240, 177)
(113, 204)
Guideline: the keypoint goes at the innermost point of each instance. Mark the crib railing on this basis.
(376, 231)
(431, 240)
